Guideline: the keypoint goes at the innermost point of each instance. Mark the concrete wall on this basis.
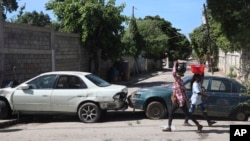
(227, 60)
(67, 52)
(26, 51)
(240, 61)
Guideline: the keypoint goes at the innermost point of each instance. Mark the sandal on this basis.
(167, 129)
(211, 123)
(187, 124)
(199, 130)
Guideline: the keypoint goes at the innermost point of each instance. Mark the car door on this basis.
(222, 97)
(69, 91)
(37, 97)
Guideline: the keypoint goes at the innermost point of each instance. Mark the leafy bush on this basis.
(231, 74)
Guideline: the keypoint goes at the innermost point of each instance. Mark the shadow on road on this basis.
(110, 116)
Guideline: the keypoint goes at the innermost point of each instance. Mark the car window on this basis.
(70, 82)
(215, 85)
(221, 85)
(188, 85)
(43, 82)
(228, 86)
(97, 80)
(205, 83)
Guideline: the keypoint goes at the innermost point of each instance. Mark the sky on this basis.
(185, 15)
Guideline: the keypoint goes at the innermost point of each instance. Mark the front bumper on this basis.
(135, 103)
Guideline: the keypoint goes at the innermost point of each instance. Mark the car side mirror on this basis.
(24, 87)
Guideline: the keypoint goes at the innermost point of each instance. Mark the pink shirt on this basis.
(179, 89)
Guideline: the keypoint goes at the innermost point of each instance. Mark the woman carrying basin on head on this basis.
(180, 94)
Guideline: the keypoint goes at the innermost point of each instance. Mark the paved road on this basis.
(124, 126)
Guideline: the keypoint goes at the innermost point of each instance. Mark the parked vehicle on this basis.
(227, 99)
(63, 92)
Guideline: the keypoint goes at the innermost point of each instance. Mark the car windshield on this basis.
(97, 80)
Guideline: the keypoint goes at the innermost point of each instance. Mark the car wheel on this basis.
(241, 116)
(4, 110)
(156, 110)
(89, 113)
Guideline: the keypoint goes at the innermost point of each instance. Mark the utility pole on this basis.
(209, 40)
(133, 12)
(136, 68)
(1, 43)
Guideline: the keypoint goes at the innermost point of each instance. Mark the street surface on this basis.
(126, 125)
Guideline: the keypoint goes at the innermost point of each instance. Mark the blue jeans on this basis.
(202, 108)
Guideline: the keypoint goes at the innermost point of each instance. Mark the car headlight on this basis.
(136, 95)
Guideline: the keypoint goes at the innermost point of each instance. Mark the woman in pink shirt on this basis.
(181, 96)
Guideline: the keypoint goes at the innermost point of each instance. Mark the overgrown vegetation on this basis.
(247, 84)
(231, 72)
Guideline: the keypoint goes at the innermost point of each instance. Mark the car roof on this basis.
(209, 76)
(188, 77)
(66, 73)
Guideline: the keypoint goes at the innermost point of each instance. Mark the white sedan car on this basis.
(63, 92)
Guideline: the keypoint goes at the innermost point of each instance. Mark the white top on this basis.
(196, 98)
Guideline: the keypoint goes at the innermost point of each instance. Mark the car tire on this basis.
(89, 112)
(156, 110)
(4, 110)
(241, 116)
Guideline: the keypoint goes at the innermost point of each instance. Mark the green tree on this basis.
(136, 38)
(199, 43)
(98, 22)
(179, 47)
(160, 39)
(163, 40)
(155, 38)
(134, 42)
(233, 16)
(34, 18)
(8, 6)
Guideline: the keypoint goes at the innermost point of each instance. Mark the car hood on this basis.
(117, 88)
(157, 89)
(6, 91)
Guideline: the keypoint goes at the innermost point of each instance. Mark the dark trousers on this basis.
(184, 108)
